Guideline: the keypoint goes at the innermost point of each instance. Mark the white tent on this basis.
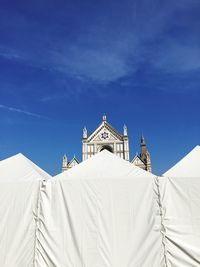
(19, 192)
(189, 166)
(105, 212)
(180, 199)
(102, 213)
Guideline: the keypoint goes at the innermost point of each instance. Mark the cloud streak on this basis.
(178, 58)
(17, 110)
(113, 46)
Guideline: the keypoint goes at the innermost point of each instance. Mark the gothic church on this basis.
(106, 137)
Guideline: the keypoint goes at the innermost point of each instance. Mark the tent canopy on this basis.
(180, 200)
(102, 212)
(189, 166)
(104, 165)
(20, 181)
(19, 168)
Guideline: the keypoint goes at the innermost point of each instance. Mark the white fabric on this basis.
(189, 166)
(180, 200)
(19, 189)
(101, 213)
(105, 212)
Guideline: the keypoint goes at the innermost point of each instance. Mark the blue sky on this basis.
(65, 63)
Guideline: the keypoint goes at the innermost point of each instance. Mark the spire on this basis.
(104, 117)
(74, 157)
(64, 161)
(143, 150)
(125, 130)
(144, 154)
(85, 132)
(142, 140)
(143, 145)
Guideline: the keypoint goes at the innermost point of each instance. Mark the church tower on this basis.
(143, 160)
(64, 163)
(144, 154)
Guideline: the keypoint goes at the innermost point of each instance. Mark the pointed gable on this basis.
(105, 137)
(107, 128)
(73, 162)
(137, 161)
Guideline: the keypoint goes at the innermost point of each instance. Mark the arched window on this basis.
(107, 147)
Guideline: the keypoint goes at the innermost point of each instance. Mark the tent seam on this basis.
(163, 229)
(37, 219)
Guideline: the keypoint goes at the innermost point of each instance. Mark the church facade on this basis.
(106, 137)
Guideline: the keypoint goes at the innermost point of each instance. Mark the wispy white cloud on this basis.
(110, 48)
(175, 57)
(49, 98)
(9, 55)
(89, 64)
(17, 110)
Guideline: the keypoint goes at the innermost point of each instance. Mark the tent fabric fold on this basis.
(162, 224)
(180, 191)
(104, 212)
(181, 220)
(19, 190)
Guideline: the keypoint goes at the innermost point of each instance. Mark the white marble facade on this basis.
(106, 137)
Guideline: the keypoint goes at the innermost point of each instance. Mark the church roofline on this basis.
(137, 156)
(99, 128)
(74, 158)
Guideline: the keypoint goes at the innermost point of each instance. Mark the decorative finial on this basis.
(64, 161)
(104, 117)
(84, 132)
(142, 139)
(125, 130)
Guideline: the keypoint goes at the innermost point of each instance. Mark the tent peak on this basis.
(19, 167)
(188, 166)
(104, 165)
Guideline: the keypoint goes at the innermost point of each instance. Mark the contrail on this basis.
(23, 112)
